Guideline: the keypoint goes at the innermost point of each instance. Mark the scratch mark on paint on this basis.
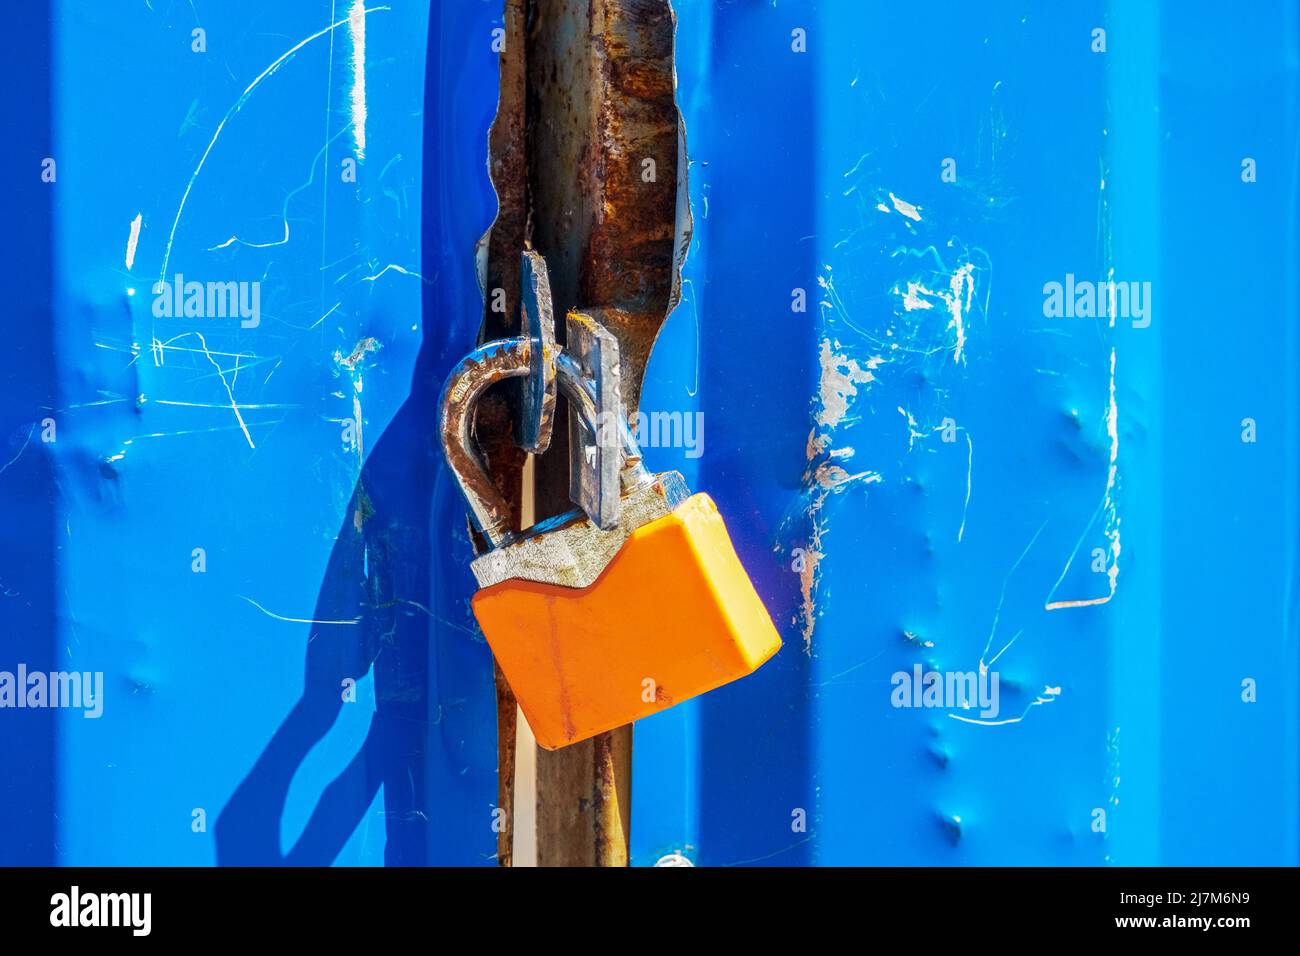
(833, 301)
(832, 477)
(939, 286)
(1002, 597)
(687, 285)
(190, 121)
(334, 308)
(295, 620)
(1107, 507)
(228, 386)
(836, 678)
(132, 239)
(284, 208)
(857, 165)
(906, 208)
(956, 300)
(184, 431)
(230, 113)
(970, 467)
(395, 268)
(326, 119)
(168, 401)
(1005, 647)
(768, 856)
(1113, 768)
(1048, 695)
(357, 30)
(19, 454)
(961, 278)
(158, 349)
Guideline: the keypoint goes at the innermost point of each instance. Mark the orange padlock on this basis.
(627, 605)
(672, 615)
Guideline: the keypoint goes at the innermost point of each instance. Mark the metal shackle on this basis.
(602, 466)
(516, 358)
(486, 365)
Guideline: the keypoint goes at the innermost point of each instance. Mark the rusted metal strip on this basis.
(603, 145)
(584, 157)
(584, 802)
(506, 150)
(507, 727)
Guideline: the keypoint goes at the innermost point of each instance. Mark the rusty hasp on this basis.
(589, 378)
(537, 404)
(639, 583)
(605, 459)
(589, 166)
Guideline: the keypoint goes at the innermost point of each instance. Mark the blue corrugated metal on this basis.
(877, 544)
(173, 434)
(1071, 437)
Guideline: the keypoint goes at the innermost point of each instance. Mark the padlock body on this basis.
(673, 615)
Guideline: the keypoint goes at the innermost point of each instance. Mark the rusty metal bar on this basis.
(584, 158)
(602, 139)
(507, 728)
(501, 282)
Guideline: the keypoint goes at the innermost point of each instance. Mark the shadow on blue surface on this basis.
(28, 746)
(386, 561)
(373, 632)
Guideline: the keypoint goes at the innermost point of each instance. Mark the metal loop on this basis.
(486, 365)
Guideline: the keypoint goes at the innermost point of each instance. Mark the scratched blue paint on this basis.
(176, 434)
(944, 554)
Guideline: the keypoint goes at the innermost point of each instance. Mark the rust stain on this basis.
(604, 131)
(825, 475)
(364, 509)
(602, 146)
(499, 253)
(507, 161)
(507, 717)
(808, 584)
(611, 769)
(504, 459)
(821, 481)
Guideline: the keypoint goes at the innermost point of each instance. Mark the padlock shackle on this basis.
(473, 375)
(489, 363)
(593, 391)
(581, 392)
